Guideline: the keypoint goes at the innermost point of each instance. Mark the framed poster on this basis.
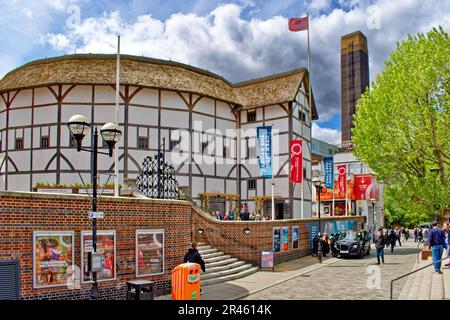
(285, 238)
(53, 255)
(313, 231)
(106, 245)
(149, 252)
(267, 260)
(295, 237)
(276, 239)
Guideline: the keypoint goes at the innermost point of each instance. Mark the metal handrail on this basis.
(411, 272)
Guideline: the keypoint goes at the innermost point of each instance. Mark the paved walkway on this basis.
(304, 278)
(350, 278)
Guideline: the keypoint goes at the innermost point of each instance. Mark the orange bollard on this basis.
(186, 282)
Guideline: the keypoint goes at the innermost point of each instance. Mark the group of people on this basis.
(244, 215)
(420, 234)
(389, 238)
(326, 242)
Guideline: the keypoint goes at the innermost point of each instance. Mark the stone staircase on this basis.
(221, 267)
(426, 284)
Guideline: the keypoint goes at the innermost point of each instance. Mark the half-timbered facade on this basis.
(193, 109)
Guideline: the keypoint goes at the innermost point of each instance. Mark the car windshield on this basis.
(350, 235)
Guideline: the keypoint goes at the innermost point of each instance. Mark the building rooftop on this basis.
(142, 71)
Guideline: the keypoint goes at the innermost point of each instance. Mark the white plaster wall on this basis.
(174, 119)
(170, 99)
(143, 116)
(23, 99)
(19, 117)
(19, 182)
(67, 111)
(43, 115)
(224, 111)
(79, 94)
(274, 111)
(215, 185)
(148, 97)
(44, 96)
(107, 94)
(205, 105)
(106, 113)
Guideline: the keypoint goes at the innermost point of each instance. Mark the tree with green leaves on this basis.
(402, 128)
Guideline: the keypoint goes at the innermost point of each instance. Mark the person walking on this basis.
(406, 234)
(420, 235)
(398, 236)
(380, 243)
(392, 239)
(415, 234)
(194, 256)
(437, 244)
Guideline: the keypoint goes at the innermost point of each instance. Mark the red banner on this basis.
(363, 188)
(342, 178)
(296, 175)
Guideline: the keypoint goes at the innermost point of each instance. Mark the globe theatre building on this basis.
(159, 99)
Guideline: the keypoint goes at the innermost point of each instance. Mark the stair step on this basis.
(212, 255)
(446, 283)
(437, 287)
(206, 251)
(222, 273)
(406, 287)
(201, 248)
(414, 291)
(215, 259)
(230, 277)
(225, 267)
(220, 263)
(425, 286)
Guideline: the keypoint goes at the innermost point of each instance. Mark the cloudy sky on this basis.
(238, 39)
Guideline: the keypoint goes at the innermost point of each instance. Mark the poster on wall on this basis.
(53, 255)
(106, 245)
(149, 252)
(276, 239)
(267, 259)
(295, 237)
(285, 238)
(313, 231)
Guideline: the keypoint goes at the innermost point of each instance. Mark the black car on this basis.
(353, 243)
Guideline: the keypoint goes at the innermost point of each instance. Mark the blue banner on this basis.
(265, 151)
(328, 165)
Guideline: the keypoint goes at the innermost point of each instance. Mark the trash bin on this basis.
(140, 290)
(186, 282)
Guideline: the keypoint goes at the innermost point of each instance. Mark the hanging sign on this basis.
(265, 150)
(296, 175)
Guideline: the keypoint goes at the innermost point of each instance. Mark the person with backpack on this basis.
(194, 256)
(380, 243)
(437, 244)
(392, 239)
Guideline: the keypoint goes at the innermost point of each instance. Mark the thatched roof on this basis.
(148, 72)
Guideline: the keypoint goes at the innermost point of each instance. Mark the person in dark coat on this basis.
(380, 243)
(325, 245)
(392, 239)
(315, 249)
(194, 256)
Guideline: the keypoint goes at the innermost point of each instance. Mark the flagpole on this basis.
(309, 103)
(116, 120)
(273, 202)
(302, 216)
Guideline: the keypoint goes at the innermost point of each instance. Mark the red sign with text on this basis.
(296, 175)
(342, 178)
(364, 188)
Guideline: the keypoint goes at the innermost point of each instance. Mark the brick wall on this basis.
(229, 236)
(23, 213)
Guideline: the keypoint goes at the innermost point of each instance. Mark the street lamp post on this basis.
(111, 133)
(373, 220)
(319, 186)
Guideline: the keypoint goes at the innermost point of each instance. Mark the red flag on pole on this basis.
(296, 161)
(298, 24)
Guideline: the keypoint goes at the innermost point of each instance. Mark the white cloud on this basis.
(331, 136)
(320, 4)
(225, 43)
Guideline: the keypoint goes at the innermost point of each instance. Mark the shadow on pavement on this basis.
(223, 291)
